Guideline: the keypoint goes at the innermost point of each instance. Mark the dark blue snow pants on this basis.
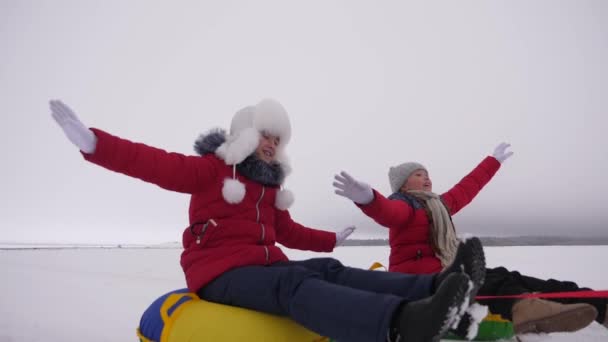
(501, 281)
(343, 303)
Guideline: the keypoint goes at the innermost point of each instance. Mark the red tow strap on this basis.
(571, 294)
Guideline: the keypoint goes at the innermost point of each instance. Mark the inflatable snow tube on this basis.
(180, 316)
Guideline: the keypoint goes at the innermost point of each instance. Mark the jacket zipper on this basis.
(257, 206)
(257, 219)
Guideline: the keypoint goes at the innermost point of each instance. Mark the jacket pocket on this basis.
(202, 231)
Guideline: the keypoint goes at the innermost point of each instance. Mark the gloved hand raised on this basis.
(500, 152)
(353, 189)
(343, 234)
(76, 131)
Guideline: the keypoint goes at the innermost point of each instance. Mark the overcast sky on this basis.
(367, 85)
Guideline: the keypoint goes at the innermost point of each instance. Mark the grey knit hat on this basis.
(397, 175)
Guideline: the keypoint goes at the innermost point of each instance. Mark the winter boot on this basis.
(469, 259)
(430, 318)
(534, 315)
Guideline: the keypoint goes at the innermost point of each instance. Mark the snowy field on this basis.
(95, 295)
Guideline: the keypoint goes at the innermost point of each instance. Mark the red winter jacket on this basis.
(411, 250)
(243, 233)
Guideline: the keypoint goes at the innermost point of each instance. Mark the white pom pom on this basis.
(284, 199)
(233, 191)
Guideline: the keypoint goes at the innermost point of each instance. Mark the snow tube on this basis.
(180, 316)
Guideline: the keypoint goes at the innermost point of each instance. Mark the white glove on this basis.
(500, 152)
(75, 130)
(352, 189)
(343, 234)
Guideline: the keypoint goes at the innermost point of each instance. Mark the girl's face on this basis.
(418, 180)
(267, 147)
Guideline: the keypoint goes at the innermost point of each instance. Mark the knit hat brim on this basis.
(397, 175)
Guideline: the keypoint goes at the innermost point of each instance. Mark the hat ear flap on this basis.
(221, 151)
(283, 160)
(241, 146)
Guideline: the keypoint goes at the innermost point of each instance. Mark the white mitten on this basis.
(343, 234)
(353, 189)
(76, 131)
(500, 152)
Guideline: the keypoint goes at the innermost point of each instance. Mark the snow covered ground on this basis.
(99, 294)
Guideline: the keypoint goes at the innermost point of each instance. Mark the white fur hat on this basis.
(247, 125)
(397, 175)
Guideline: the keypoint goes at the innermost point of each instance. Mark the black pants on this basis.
(341, 302)
(501, 281)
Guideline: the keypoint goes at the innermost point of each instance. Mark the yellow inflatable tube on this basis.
(180, 316)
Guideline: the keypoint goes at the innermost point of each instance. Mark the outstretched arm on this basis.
(294, 235)
(463, 193)
(172, 171)
(388, 213)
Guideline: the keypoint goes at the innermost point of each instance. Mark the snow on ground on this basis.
(99, 294)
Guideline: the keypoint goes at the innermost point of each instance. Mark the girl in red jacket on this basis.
(423, 240)
(237, 214)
